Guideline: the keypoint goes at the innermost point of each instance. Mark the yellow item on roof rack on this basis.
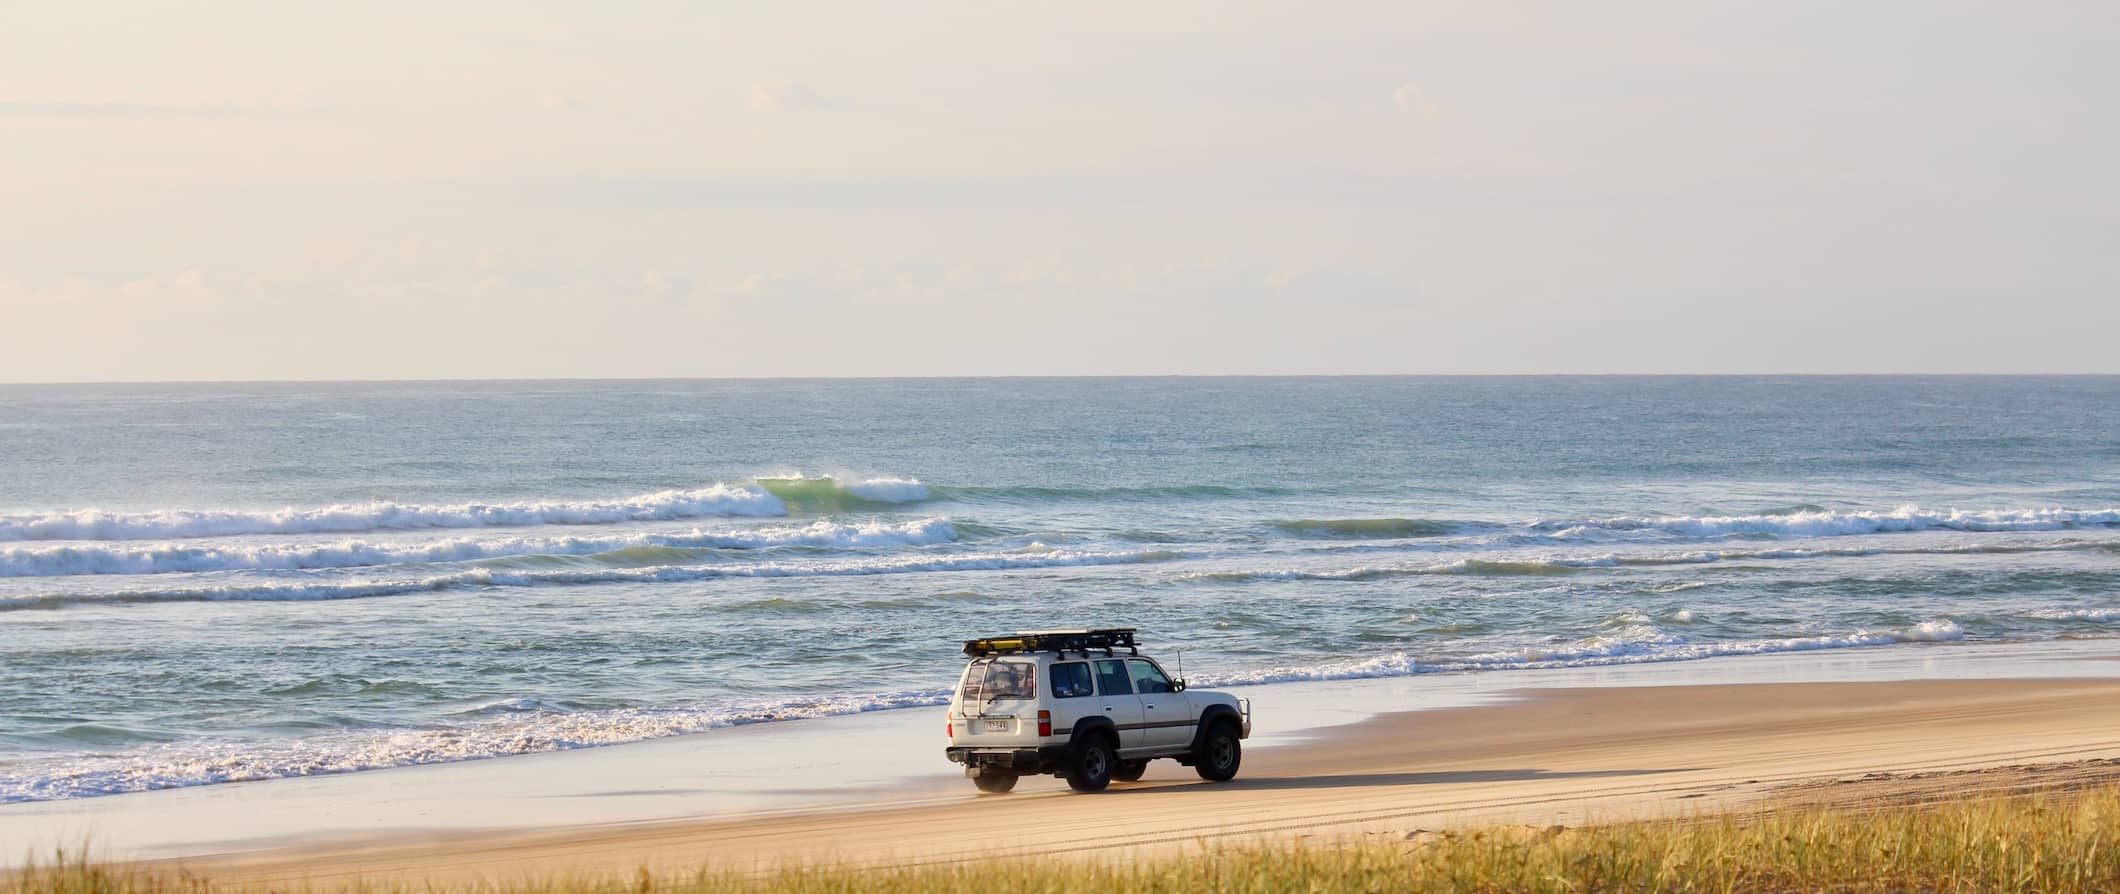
(1104, 640)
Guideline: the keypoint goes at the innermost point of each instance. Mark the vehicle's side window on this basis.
(1111, 678)
(1071, 680)
(1149, 678)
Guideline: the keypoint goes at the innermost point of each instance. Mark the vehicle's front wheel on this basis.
(1090, 768)
(1220, 753)
(1130, 771)
(995, 783)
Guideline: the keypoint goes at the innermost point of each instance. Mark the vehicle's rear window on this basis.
(989, 680)
(1072, 680)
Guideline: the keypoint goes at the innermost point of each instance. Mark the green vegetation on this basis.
(2046, 843)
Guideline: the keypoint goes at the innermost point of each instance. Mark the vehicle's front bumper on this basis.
(1020, 761)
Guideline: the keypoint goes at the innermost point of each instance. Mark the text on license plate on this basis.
(996, 726)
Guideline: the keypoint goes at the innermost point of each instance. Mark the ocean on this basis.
(220, 582)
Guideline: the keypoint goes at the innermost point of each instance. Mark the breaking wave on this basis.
(828, 494)
(774, 496)
(1833, 524)
(1143, 493)
(717, 501)
(480, 578)
(1794, 522)
(1495, 567)
(166, 558)
(765, 497)
(1544, 566)
(2100, 615)
(1367, 527)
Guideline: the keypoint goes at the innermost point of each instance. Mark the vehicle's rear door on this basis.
(1116, 688)
(998, 704)
(1072, 686)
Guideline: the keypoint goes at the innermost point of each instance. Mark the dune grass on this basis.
(2048, 843)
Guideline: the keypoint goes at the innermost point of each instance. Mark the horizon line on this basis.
(1065, 376)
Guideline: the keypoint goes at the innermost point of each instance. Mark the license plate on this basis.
(995, 726)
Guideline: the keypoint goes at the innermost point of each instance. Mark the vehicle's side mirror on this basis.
(1177, 685)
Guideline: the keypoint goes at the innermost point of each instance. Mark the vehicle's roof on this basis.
(1049, 657)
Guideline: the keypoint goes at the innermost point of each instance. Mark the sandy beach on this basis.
(663, 449)
(1564, 756)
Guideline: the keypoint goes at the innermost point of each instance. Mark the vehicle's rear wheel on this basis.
(995, 783)
(1089, 768)
(1220, 753)
(1130, 771)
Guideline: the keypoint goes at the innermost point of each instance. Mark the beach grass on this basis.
(2053, 842)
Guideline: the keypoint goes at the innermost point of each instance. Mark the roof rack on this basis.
(1104, 640)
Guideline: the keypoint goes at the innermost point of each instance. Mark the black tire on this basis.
(1220, 754)
(1089, 768)
(1129, 771)
(995, 783)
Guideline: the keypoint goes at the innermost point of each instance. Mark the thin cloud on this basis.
(133, 111)
(783, 96)
(1409, 98)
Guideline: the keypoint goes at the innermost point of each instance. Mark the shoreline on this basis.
(802, 773)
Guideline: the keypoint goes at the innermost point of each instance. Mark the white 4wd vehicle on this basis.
(1088, 706)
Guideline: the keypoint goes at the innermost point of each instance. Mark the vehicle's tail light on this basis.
(1045, 723)
(949, 729)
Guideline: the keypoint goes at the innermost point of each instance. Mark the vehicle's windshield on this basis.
(990, 679)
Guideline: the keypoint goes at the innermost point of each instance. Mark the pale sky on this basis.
(288, 190)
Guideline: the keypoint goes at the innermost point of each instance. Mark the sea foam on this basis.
(162, 558)
(480, 578)
(765, 497)
(717, 501)
(1832, 524)
(1630, 644)
(1547, 565)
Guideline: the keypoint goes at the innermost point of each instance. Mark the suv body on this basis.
(1085, 705)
